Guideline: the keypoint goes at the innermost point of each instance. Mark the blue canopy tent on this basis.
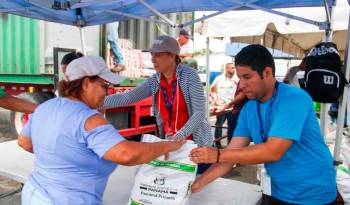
(83, 13)
(90, 12)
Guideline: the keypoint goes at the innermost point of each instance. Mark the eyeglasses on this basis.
(106, 85)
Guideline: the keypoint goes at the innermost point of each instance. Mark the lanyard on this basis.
(169, 105)
(264, 134)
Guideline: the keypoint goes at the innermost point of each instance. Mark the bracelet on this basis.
(218, 155)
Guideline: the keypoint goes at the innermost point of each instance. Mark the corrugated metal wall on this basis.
(142, 33)
(19, 45)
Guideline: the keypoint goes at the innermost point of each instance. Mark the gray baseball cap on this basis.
(165, 44)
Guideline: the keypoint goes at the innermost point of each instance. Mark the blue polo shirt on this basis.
(68, 163)
(305, 174)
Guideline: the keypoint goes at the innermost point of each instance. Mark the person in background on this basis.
(287, 138)
(77, 149)
(333, 114)
(186, 44)
(291, 75)
(236, 104)
(69, 57)
(12, 103)
(222, 90)
(112, 30)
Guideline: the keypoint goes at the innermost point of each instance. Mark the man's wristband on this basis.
(218, 156)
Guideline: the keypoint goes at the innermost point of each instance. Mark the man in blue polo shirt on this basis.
(279, 119)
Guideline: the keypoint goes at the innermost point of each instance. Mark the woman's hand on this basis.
(204, 155)
(176, 144)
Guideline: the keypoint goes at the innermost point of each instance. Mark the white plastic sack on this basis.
(162, 182)
(343, 174)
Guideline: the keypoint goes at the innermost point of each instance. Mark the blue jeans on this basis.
(32, 196)
(112, 40)
(230, 125)
(233, 127)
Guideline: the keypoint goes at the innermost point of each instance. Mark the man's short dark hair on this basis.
(257, 57)
(70, 57)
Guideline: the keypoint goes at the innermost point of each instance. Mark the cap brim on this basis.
(110, 77)
(158, 51)
(152, 50)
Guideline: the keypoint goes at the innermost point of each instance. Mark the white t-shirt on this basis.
(187, 48)
(225, 87)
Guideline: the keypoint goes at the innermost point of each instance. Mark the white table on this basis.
(16, 164)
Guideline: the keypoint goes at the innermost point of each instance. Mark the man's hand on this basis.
(197, 186)
(204, 155)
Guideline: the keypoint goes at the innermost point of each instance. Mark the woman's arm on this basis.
(196, 93)
(134, 153)
(140, 92)
(25, 143)
(122, 151)
(16, 104)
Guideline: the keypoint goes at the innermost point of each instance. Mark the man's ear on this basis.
(268, 73)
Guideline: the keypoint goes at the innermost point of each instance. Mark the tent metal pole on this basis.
(327, 38)
(250, 5)
(342, 102)
(82, 40)
(14, 9)
(210, 16)
(170, 22)
(207, 85)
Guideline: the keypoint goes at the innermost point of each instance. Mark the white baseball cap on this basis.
(91, 66)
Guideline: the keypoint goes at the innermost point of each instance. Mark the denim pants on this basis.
(112, 40)
(32, 196)
(230, 125)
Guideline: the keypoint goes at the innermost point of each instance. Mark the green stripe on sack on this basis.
(135, 202)
(343, 169)
(173, 165)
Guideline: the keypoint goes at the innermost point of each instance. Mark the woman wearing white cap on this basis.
(177, 95)
(75, 148)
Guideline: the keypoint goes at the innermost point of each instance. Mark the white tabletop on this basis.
(16, 164)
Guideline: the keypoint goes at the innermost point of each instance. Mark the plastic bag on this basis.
(164, 182)
(343, 173)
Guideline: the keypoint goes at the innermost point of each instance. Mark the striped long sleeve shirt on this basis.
(192, 90)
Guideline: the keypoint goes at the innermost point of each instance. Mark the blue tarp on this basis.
(93, 12)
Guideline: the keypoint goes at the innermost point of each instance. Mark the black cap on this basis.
(185, 33)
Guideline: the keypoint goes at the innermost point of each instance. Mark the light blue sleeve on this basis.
(291, 116)
(242, 129)
(27, 128)
(102, 138)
